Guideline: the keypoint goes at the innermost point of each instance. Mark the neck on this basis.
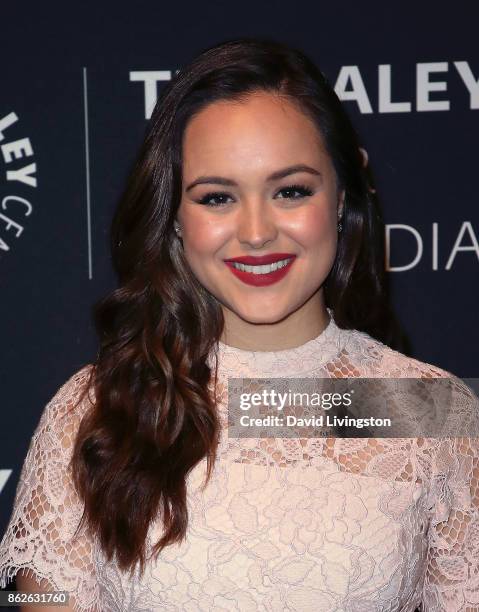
(296, 329)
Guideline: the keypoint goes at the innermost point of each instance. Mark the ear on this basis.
(342, 195)
(365, 156)
(177, 228)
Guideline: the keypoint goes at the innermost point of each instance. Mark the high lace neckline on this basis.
(285, 362)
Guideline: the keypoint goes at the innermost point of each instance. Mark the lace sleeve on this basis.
(40, 535)
(452, 572)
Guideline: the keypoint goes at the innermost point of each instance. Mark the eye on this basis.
(206, 199)
(301, 189)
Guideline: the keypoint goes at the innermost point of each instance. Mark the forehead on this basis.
(264, 129)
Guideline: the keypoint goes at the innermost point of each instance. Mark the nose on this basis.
(256, 224)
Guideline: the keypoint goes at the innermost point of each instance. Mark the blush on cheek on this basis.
(201, 244)
(317, 224)
(196, 241)
(204, 236)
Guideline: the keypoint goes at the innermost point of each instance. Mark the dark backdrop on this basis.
(66, 67)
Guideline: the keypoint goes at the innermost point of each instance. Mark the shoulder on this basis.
(73, 388)
(374, 359)
(45, 536)
(47, 464)
(71, 401)
(381, 360)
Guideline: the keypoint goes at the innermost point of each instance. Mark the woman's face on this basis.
(233, 206)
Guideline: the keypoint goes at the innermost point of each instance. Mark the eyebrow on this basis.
(279, 174)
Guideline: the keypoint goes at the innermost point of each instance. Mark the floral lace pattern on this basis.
(315, 524)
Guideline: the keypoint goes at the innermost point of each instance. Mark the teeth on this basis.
(262, 269)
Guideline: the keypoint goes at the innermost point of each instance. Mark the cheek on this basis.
(201, 235)
(316, 228)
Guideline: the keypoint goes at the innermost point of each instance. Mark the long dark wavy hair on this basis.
(154, 417)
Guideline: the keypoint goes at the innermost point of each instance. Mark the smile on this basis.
(262, 269)
(261, 275)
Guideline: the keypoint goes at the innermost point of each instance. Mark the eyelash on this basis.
(306, 191)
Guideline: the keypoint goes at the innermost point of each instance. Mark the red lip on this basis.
(261, 260)
(261, 280)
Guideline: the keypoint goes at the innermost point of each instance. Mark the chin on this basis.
(261, 315)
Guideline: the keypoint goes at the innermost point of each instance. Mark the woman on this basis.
(247, 244)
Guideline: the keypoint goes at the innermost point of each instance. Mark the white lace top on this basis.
(310, 525)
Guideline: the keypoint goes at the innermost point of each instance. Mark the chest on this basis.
(297, 538)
